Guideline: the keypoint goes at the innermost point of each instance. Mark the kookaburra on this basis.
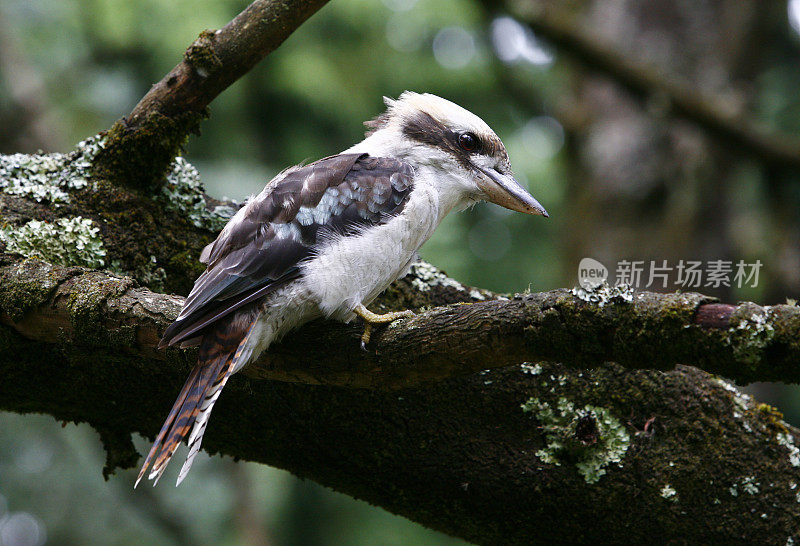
(324, 240)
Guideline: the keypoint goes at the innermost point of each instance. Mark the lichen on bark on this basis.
(67, 241)
(590, 438)
(464, 441)
(57, 208)
(49, 177)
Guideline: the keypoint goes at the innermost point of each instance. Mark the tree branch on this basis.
(746, 342)
(141, 145)
(702, 461)
(650, 83)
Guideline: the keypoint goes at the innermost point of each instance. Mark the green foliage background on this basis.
(86, 62)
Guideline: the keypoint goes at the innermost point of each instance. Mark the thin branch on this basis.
(141, 145)
(217, 59)
(746, 342)
(648, 82)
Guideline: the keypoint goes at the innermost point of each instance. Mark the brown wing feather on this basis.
(262, 247)
(285, 194)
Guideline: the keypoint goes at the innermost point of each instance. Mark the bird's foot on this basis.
(371, 319)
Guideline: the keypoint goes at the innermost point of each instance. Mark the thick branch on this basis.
(648, 82)
(654, 331)
(703, 462)
(141, 145)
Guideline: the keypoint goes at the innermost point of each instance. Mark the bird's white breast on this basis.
(357, 268)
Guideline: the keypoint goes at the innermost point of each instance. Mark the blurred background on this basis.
(621, 178)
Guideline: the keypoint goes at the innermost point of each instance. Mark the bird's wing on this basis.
(262, 246)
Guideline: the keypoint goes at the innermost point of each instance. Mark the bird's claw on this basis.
(365, 336)
(371, 319)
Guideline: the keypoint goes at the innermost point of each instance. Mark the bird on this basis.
(324, 240)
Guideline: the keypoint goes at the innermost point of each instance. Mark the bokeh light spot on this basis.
(514, 43)
(542, 137)
(793, 9)
(21, 529)
(453, 47)
(405, 34)
(399, 5)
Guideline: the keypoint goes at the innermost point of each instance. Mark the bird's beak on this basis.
(504, 190)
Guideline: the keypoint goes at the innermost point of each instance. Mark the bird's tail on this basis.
(220, 352)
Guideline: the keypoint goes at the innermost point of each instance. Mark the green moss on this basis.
(146, 240)
(84, 306)
(25, 286)
(150, 274)
(67, 241)
(86, 302)
(773, 417)
(591, 438)
(187, 263)
(140, 158)
(201, 56)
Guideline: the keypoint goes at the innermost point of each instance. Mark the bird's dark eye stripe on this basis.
(425, 129)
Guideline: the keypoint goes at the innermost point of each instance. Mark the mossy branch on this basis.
(645, 330)
(140, 146)
(672, 95)
(536, 453)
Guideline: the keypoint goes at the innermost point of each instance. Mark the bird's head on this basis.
(429, 130)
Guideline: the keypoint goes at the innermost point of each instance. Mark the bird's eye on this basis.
(468, 142)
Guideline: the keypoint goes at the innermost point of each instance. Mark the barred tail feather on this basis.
(190, 381)
(243, 353)
(186, 416)
(220, 351)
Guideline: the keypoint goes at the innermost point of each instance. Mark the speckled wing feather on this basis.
(264, 244)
